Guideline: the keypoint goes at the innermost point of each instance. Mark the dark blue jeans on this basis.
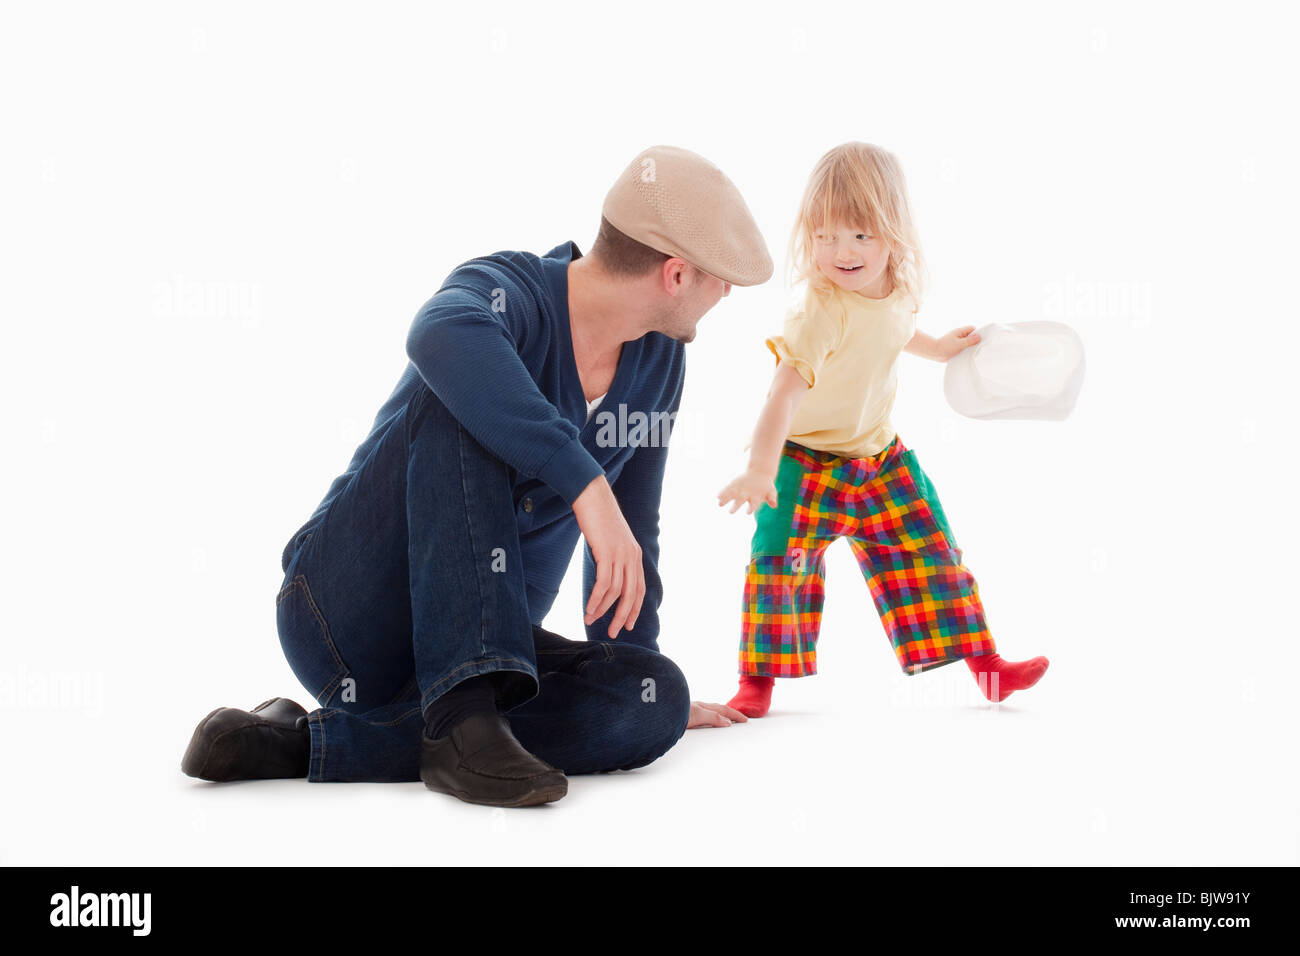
(411, 582)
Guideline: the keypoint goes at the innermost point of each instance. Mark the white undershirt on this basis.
(591, 405)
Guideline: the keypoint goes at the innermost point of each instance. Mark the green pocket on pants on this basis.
(773, 525)
(928, 493)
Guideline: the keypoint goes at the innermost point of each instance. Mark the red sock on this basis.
(754, 697)
(998, 678)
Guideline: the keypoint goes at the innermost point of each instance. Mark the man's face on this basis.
(698, 293)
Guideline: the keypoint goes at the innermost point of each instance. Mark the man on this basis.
(413, 596)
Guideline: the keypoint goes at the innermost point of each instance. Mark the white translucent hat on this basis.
(1021, 370)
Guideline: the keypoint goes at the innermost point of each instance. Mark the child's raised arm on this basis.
(758, 483)
(942, 349)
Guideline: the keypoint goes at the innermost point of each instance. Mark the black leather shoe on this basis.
(480, 761)
(269, 742)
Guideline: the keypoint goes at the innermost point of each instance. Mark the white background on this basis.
(218, 221)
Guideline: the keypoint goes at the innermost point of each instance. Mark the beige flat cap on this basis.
(680, 204)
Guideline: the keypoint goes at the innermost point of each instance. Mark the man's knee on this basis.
(656, 716)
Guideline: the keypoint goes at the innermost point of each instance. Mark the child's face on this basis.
(853, 258)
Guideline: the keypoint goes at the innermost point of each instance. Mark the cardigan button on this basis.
(528, 505)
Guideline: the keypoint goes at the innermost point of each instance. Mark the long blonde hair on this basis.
(860, 185)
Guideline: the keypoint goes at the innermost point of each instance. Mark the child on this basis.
(825, 458)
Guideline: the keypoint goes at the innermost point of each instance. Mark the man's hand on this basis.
(955, 341)
(620, 575)
(751, 489)
(713, 715)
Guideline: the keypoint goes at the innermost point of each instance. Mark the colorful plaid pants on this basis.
(885, 505)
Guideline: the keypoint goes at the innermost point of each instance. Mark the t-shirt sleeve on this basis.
(809, 336)
(467, 354)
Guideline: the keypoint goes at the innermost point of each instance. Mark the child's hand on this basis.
(955, 341)
(752, 488)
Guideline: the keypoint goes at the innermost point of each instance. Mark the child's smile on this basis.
(853, 259)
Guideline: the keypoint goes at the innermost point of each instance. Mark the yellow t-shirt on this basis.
(846, 347)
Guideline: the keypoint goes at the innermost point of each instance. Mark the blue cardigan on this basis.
(494, 345)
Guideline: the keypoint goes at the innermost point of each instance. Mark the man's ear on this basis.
(675, 265)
